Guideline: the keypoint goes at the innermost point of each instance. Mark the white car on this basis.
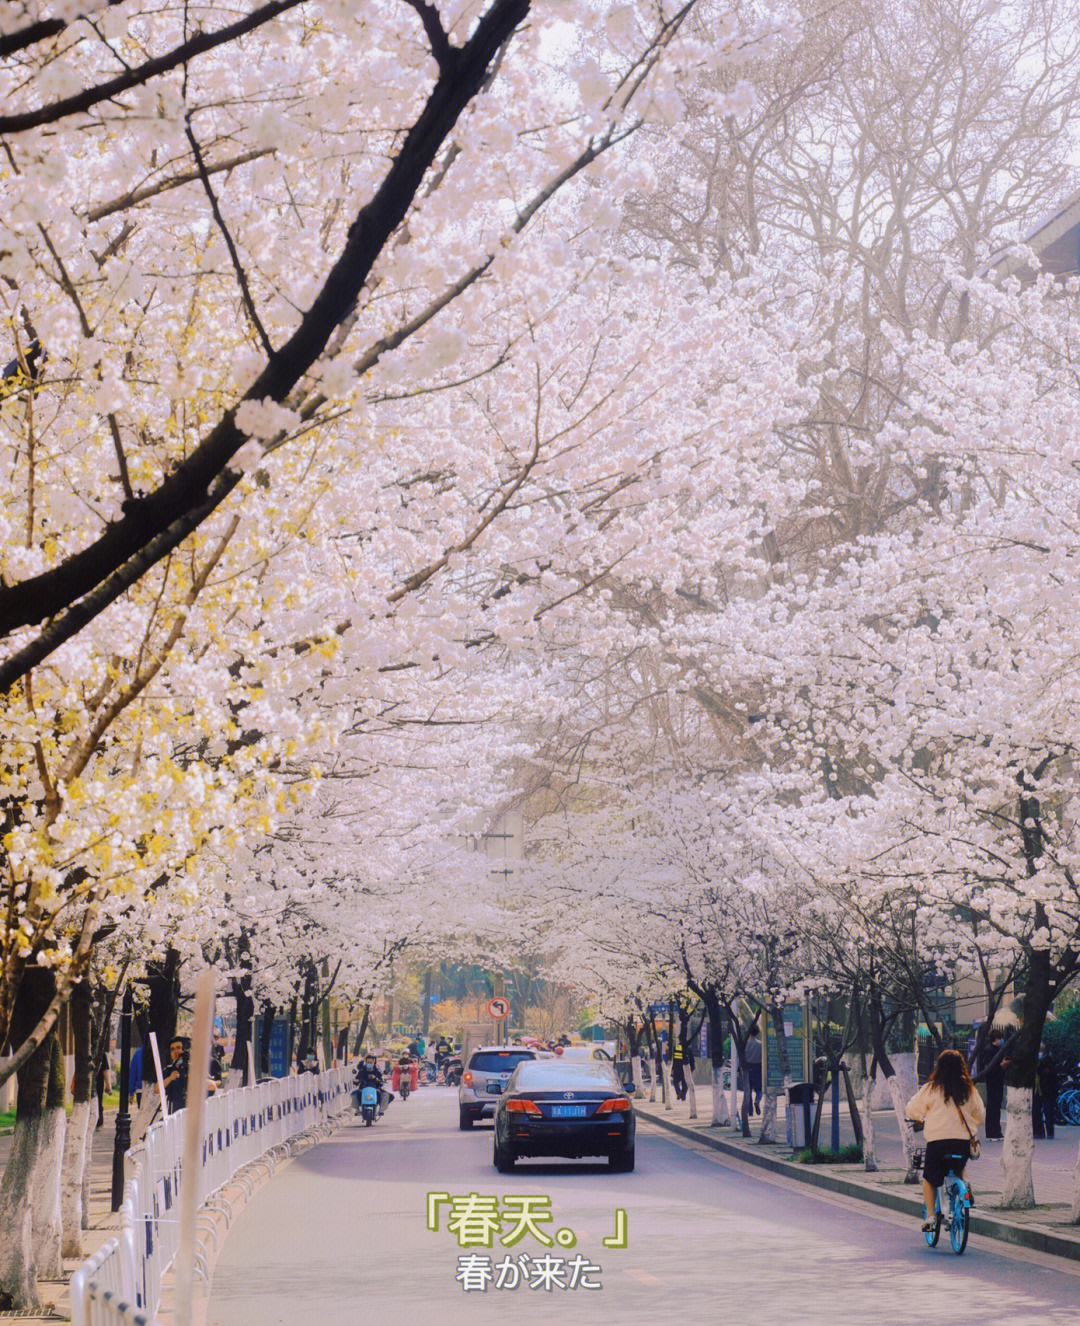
(582, 1053)
(485, 1076)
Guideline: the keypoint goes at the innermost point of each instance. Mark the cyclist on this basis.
(952, 1110)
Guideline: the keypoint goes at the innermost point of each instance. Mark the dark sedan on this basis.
(551, 1108)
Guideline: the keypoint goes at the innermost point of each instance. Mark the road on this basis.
(341, 1233)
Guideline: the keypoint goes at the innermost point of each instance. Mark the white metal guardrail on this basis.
(245, 1130)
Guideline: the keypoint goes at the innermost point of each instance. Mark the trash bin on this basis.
(800, 1097)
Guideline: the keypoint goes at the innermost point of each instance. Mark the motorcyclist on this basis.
(443, 1051)
(405, 1068)
(367, 1075)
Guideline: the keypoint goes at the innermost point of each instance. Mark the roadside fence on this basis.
(247, 1132)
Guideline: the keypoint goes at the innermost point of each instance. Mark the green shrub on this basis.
(1062, 1037)
(847, 1155)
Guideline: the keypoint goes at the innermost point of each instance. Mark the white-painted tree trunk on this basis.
(733, 1103)
(721, 1115)
(639, 1075)
(88, 1146)
(665, 1076)
(1017, 1151)
(75, 1154)
(45, 1196)
(652, 1082)
(18, 1265)
(1074, 1212)
(907, 1136)
(691, 1092)
(869, 1152)
(768, 1117)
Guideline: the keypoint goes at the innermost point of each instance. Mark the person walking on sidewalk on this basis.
(682, 1058)
(992, 1067)
(1046, 1094)
(753, 1066)
(952, 1111)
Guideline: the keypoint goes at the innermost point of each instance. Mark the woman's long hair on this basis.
(952, 1077)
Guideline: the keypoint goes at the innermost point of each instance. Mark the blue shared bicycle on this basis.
(957, 1193)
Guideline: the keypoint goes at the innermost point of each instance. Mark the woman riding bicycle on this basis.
(952, 1110)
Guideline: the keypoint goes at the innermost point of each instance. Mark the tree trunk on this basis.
(691, 1091)
(75, 1148)
(721, 1116)
(266, 1026)
(869, 1157)
(18, 1265)
(245, 1014)
(45, 1197)
(365, 1018)
(665, 1079)
(1017, 1151)
(1074, 1211)
(425, 1024)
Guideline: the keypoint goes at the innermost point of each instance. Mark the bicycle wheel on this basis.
(932, 1235)
(1071, 1106)
(958, 1217)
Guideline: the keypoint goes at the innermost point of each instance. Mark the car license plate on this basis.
(568, 1111)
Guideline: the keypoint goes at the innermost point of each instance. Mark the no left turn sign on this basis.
(499, 1008)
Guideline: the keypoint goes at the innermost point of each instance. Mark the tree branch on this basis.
(188, 50)
(445, 54)
(230, 244)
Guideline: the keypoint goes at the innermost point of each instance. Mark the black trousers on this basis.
(1042, 1116)
(678, 1079)
(995, 1094)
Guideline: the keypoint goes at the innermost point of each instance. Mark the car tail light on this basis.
(522, 1107)
(467, 1079)
(615, 1103)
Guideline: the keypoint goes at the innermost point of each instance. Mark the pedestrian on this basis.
(753, 1066)
(217, 1064)
(1046, 1094)
(135, 1075)
(951, 1110)
(102, 1083)
(992, 1066)
(682, 1058)
(176, 1078)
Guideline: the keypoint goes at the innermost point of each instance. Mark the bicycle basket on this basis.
(917, 1160)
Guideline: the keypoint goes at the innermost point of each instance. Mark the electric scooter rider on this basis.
(368, 1075)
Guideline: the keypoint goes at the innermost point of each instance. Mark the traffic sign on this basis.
(499, 1008)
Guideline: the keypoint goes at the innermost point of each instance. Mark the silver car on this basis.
(484, 1079)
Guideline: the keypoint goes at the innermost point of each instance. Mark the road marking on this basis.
(643, 1277)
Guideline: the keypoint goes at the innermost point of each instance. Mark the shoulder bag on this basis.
(976, 1149)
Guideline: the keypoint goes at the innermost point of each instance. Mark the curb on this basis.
(1035, 1238)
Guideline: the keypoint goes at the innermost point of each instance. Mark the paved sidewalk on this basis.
(1046, 1228)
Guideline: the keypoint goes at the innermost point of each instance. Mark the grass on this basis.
(847, 1155)
(7, 1117)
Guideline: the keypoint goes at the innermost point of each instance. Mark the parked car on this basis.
(484, 1078)
(558, 1108)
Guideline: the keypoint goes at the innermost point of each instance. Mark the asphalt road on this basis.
(339, 1237)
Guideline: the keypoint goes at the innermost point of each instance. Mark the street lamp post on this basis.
(123, 1119)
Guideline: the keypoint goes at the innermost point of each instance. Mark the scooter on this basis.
(369, 1104)
(452, 1071)
(405, 1084)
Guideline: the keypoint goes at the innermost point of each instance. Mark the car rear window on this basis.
(553, 1075)
(499, 1061)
